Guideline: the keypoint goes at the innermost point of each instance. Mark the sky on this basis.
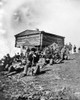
(61, 17)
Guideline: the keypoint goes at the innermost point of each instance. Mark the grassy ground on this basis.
(58, 82)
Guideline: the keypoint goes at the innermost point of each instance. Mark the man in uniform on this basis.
(48, 55)
(74, 49)
(63, 52)
(8, 61)
(32, 59)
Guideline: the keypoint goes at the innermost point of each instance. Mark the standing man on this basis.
(74, 49)
(63, 52)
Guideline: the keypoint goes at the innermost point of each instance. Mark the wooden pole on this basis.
(40, 42)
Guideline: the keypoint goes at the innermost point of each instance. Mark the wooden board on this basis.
(49, 39)
(28, 40)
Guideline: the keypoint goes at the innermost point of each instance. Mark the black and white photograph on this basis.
(39, 50)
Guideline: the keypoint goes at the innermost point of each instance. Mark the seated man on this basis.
(32, 59)
(7, 61)
(48, 55)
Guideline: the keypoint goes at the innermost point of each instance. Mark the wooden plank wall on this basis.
(28, 40)
(49, 39)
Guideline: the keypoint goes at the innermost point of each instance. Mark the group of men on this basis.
(49, 56)
(35, 59)
(55, 56)
(6, 61)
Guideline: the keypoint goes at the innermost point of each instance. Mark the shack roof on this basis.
(32, 32)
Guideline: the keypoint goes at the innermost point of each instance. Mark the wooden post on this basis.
(40, 41)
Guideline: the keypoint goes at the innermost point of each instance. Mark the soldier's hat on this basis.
(33, 49)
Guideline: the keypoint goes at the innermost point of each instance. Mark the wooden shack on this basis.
(36, 38)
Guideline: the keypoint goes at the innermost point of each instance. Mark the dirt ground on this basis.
(57, 82)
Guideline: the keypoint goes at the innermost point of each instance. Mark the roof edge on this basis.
(25, 31)
(39, 32)
(53, 34)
